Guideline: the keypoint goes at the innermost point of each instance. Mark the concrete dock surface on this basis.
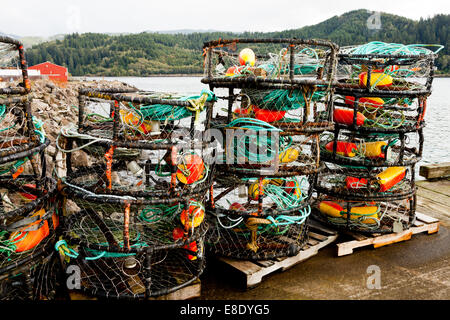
(416, 269)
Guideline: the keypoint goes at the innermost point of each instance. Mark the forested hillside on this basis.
(146, 53)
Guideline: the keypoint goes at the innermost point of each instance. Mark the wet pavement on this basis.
(416, 269)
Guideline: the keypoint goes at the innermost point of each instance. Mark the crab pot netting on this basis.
(252, 147)
(147, 170)
(387, 68)
(12, 57)
(286, 82)
(367, 112)
(133, 247)
(139, 116)
(368, 215)
(258, 218)
(29, 220)
(379, 149)
(40, 279)
(360, 183)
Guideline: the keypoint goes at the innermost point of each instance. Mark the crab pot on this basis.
(385, 74)
(368, 215)
(256, 149)
(140, 168)
(376, 149)
(247, 237)
(130, 116)
(370, 113)
(360, 183)
(130, 248)
(258, 218)
(29, 223)
(285, 82)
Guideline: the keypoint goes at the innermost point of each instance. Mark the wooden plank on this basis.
(315, 225)
(436, 210)
(191, 291)
(440, 186)
(264, 263)
(256, 270)
(432, 226)
(437, 170)
(434, 196)
(425, 218)
(392, 238)
(317, 236)
(313, 242)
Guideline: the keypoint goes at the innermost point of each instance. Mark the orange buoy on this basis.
(365, 101)
(130, 119)
(366, 214)
(343, 148)
(331, 209)
(193, 216)
(233, 71)
(177, 234)
(192, 247)
(247, 57)
(345, 116)
(268, 115)
(379, 79)
(292, 187)
(390, 177)
(25, 240)
(191, 169)
(355, 183)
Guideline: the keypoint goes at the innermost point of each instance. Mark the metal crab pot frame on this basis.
(371, 64)
(318, 80)
(124, 253)
(254, 238)
(372, 148)
(266, 217)
(247, 152)
(368, 216)
(115, 129)
(24, 136)
(140, 173)
(25, 87)
(365, 184)
(246, 197)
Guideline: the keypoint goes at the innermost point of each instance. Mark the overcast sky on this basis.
(49, 17)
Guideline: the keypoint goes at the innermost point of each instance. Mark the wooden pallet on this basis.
(423, 223)
(254, 271)
(189, 292)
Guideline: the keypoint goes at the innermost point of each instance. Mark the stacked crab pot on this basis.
(28, 217)
(137, 175)
(370, 156)
(274, 100)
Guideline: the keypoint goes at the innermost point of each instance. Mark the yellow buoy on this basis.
(377, 79)
(289, 155)
(374, 149)
(247, 57)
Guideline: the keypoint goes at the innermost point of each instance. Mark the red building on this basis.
(54, 72)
